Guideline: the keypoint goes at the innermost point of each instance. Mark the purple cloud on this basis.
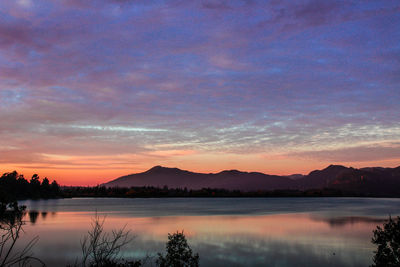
(215, 76)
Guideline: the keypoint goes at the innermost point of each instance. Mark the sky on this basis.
(94, 89)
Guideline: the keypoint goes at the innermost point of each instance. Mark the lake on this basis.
(224, 231)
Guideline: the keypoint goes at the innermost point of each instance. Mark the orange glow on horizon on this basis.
(89, 171)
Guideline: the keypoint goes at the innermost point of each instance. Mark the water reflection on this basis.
(33, 216)
(280, 240)
(343, 221)
(326, 237)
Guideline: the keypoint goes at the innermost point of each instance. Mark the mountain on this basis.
(322, 178)
(295, 176)
(159, 176)
(371, 180)
(376, 180)
(231, 179)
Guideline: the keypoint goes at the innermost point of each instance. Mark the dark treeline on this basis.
(150, 191)
(14, 186)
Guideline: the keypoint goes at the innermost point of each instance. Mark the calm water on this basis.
(225, 232)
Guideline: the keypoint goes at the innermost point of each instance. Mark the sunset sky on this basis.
(94, 89)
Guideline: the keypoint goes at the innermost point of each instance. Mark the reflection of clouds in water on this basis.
(245, 241)
(234, 232)
(225, 253)
(254, 245)
(274, 253)
(259, 253)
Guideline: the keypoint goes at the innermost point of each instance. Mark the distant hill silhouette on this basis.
(374, 180)
(322, 178)
(176, 178)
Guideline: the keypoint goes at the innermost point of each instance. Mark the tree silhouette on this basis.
(388, 241)
(14, 186)
(179, 253)
(55, 189)
(35, 186)
(45, 188)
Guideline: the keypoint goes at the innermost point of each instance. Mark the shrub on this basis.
(388, 241)
(100, 249)
(179, 253)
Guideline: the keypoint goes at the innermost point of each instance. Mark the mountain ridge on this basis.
(364, 180)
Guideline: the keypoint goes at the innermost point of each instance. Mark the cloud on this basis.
(25, 3)
(367, 153)
(84, 78)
